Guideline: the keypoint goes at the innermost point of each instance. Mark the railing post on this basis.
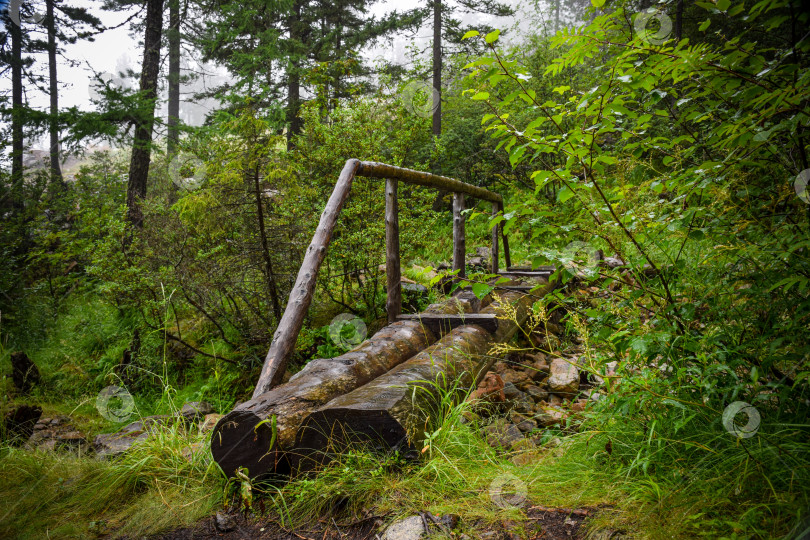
(495, 229)
(507, 257)
(285, 336)
(459, 247)
(393, 302)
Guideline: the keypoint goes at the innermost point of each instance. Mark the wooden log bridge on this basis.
(392, 408)
(257, 433)
(260, 433)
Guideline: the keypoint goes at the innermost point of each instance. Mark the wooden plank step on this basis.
(546, 269)
(526, 273)
(516, 288)
(439, 323)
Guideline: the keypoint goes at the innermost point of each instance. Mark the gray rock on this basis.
(444, 265)
(109, 445)
(563, 377)
(411, 294)
(224, 523)
(483, 252)
(411, 528)
(511, 392)
(502, 434)
(194, 411)
(536, 393)
(550, 416)
(477, 262)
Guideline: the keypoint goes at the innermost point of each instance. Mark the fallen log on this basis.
(256, 433)
(390, 411)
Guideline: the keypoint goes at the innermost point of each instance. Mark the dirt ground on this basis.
(541, 523)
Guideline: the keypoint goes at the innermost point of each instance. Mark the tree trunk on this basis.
(294, 78)
(392, 409)
(268, 263)
(56, 168)
(240, 439)
(173, 122)
(437, 68)
(16, 115)
(142, 143)
(678, 20)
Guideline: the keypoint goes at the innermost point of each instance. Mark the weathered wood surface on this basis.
(393, 274)
(494, 265)
(547, 269)
(241, 439)
(372, 169)
(507, 256)
(442, 324)
(459, 240)
(286, 334)
(390, 410)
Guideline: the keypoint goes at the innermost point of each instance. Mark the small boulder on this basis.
(208, 423)
(224, 522)
(518, 378)
(109, 445)
(412, 295)
(490, 389)
(563, 377)
(483, 252)
(510, 391)
(477, 262)
(536, 393)
(550, 416)
(539, 368)
(501, 433)
(523, 423)
(411, 528)
(194, 411)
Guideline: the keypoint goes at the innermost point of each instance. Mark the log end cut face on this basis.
(241, 439)
(327, 433)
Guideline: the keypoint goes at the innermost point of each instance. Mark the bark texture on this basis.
(242, 438)
(391, 410)
(142, 143)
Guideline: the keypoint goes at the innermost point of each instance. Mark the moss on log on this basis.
(390, 411)
(247, 437)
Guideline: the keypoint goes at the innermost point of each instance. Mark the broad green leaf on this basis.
(492, 37)
(470, 34)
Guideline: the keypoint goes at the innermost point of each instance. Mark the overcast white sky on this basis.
(115, 50)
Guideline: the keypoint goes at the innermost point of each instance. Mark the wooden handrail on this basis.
(292, 320)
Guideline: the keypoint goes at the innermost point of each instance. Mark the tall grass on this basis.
(164, 482)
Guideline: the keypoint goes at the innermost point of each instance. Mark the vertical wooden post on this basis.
(459, 247)
(494, 266)
(393, 302)
(507, 257)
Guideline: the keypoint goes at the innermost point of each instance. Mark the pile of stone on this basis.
(57, 433)
(26, 426)
(108, 445)
(525, 394)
